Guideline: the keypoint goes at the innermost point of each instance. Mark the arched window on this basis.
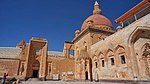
(95, 61)
(101, 58)
(110, 57)
(120, 52)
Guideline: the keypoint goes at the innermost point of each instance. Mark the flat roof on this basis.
(139, 7)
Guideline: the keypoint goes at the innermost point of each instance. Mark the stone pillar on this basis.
(83, 70)
(28, 63)
(43, 62)
(50, 70)
(66, 52)
(88, 67)
(146, 67)
(134, 63)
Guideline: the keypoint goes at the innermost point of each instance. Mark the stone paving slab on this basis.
(62, 82)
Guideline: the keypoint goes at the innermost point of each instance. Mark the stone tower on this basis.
(95, 28)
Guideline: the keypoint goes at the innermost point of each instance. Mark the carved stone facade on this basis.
(34, 61)
(100, 53)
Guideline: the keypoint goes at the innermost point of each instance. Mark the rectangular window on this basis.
(103, 64)
(123, 60)
(112, 61)
(96, 64)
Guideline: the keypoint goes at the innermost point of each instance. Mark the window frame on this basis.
(123, 60)
(112, 63)
(102, 62)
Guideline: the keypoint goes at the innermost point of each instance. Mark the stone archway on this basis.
(84, 69)
(84, 66)
(37, 55)
(88, 66)
(141, 32)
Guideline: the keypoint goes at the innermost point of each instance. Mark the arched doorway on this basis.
(88, 69)
(139, 59)
(86, 75)
(35, 69)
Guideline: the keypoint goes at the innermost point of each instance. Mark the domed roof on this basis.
(97, 18)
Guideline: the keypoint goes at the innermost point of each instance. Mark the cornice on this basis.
(90, 29)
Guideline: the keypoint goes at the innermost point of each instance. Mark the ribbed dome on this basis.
(97, 19)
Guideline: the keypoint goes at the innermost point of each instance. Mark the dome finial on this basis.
(97, 9)
(96, 3)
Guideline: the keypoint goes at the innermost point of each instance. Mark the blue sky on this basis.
(55, 20)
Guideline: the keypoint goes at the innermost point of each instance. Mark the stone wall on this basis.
(9, 66)
(60, 66)
(127, 42)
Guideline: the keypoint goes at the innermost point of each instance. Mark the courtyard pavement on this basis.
(62, 82)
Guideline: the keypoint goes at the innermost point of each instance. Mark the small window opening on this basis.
(85, 66)
(123, 61)
(86, 48)
(112, 61)
(103, 64)
(71, 53)
(96, 64)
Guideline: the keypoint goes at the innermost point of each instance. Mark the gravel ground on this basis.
(62, 82)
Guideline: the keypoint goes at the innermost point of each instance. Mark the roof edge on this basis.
(132, 11)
